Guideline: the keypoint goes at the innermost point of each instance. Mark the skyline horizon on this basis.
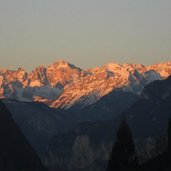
(78, 66)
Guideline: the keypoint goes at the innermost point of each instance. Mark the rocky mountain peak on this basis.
(38, 77)
(77, 86)
(61, 64)
(63, 72)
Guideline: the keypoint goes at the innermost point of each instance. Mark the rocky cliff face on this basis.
(43, 84)
(83, 149)
(163, 68)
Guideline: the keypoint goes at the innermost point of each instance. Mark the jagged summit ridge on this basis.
(43, 82)
(163, 68)
(102, 80)
(64, 64)
(63, 85)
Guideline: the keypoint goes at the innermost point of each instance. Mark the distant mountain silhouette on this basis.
(16, 154)
(109, 106)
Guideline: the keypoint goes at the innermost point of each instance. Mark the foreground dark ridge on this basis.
(124, 157)
(16, 154)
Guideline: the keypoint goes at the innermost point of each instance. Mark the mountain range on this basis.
(69, 115)
(88, 145)
(63, 85)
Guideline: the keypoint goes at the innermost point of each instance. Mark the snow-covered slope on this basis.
(63, 85)
(101, 81)
(163, 68)
(42, 84)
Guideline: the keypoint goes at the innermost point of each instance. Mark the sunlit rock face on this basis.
(79, 152)
(63, 85)
(164, 69)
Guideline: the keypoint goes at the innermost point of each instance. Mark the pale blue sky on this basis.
(86, 33)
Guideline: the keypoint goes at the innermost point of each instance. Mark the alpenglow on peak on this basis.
(63, 85)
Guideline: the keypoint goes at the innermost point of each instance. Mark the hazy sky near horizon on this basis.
(86, 33)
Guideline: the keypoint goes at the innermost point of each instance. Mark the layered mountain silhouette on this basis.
(91, 143)
(40, 123)
(16, 154)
